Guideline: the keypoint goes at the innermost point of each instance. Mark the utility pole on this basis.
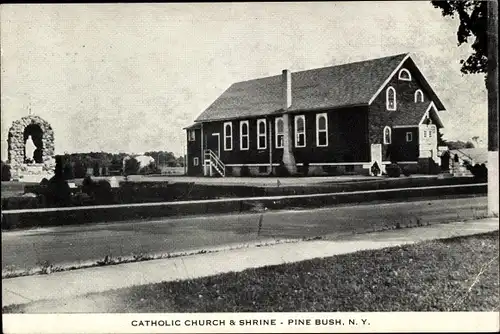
(184, 152)
(492, 87)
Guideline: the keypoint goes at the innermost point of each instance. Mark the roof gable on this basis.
(417, 75)
(328, 87)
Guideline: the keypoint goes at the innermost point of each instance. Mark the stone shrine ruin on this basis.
(35, 162)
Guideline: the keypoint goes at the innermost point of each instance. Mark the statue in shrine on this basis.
(29, 149)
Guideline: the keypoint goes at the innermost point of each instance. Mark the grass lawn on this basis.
(459, 274)
(12, 189)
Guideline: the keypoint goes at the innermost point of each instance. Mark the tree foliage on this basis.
(131, 166)
(76, 164)
(458, 145)
(473, 24)
(164, 158)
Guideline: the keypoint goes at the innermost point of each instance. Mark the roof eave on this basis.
(283, 111)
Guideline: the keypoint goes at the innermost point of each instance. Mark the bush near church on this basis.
(406, 171)
(245, 171)
(375, 169)
(480, 172)
(393, 170)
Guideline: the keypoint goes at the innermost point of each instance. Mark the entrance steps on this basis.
(461, 171)
(212, 164)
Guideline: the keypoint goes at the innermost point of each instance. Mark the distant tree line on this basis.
(458, 145)
(77, 165)
(164, 158)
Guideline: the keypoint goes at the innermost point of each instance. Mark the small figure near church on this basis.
(29, 150)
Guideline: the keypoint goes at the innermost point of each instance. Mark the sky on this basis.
(129, 77)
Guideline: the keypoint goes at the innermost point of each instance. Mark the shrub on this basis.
(102, 192)
(131, 166)
(375, 169)
(87, 185)
(58, 171)
(96, 171)
(245, 171)
(480, 172)
(79, 170)
(331, 170)
(305, 169)
(14, 203)
(281, 170)
(152, 168)
(44, 182)
(406, 171)
(58, 192)
(393, 170)
(68, 171)
(5, 170)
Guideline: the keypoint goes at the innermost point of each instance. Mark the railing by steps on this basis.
(213, 161)
(471, 160)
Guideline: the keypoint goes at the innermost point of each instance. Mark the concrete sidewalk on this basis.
(71, 284)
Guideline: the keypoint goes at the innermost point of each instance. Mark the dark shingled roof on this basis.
(193, 126)
(408, 113)
(328, 87)
(411, 114)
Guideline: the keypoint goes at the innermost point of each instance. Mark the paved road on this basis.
(75, 244)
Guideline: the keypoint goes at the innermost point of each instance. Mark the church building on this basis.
(334, 120)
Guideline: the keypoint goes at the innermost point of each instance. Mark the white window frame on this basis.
(297, 133)
(318, 130)
(387, 93)
(228, 136)
(432, 129)
(196, 161)
(418, 93)
(259, 134)
(410, 137)
(277, 134)
(404, 70)
(247, 136)
(191, 135)
(390, 135)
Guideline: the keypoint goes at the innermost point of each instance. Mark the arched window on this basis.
(390, 98)
(228, 136)
(419, 96)
(404, 75)
(387, 135)
(300, 131)
(321, 130)
(244, 144)
(280, 132)
(261, 134)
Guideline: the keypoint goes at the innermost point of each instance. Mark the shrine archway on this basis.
(41, 133)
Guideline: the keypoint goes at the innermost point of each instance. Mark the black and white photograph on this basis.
(250, 167)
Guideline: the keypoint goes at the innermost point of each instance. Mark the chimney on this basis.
(286, 81)
(288, 157)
